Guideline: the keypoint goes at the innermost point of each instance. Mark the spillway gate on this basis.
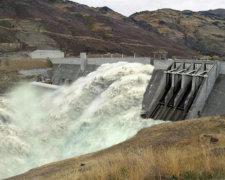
(172, 92)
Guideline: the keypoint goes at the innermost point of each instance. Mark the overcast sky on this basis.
(128, 7)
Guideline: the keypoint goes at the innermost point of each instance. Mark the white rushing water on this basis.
(95, 112)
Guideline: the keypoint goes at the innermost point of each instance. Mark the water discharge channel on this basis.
(95, 112)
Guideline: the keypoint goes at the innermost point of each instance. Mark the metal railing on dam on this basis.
(179, 91)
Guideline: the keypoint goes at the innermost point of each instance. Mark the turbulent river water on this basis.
(95, 112)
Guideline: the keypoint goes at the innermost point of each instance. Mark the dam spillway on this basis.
(180, 91)
(93, 113)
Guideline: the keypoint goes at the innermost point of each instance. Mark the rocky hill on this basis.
(201, 31)
(192, 149)
(71, 27)
(49, 24)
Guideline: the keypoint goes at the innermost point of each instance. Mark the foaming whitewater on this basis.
(95, 112)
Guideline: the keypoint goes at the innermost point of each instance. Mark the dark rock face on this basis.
(105, 10)
(217, 14)
(73, 28)
(201, 31)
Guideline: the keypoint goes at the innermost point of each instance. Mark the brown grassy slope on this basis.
(191, 149)
(201, 31)
(74, 28)
(9, 70)
(17, 64)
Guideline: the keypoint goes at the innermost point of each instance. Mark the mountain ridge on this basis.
(74, 28)
(27, 25)
(202, 31)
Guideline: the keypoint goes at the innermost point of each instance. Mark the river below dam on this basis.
(95, 112)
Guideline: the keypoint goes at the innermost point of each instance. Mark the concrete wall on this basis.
(222, 67)
(46, 54)
(69, 69)
(75, 61)
(162, 64)
(156, 86)
(65, 73)
(203, 93)
(216, 100)
(154, 92)
(207, 92)
(35, 72)
(100, 61)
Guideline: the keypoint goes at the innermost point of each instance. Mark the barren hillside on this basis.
(201, 31)
(72, 27)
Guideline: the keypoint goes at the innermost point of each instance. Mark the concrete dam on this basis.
(178, 89)
(70, 120)
(184, 90)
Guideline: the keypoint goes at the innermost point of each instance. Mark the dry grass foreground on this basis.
(193, 149)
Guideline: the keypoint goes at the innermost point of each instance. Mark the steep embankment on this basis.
(31, 24)
(201, 31)
(192, 149)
